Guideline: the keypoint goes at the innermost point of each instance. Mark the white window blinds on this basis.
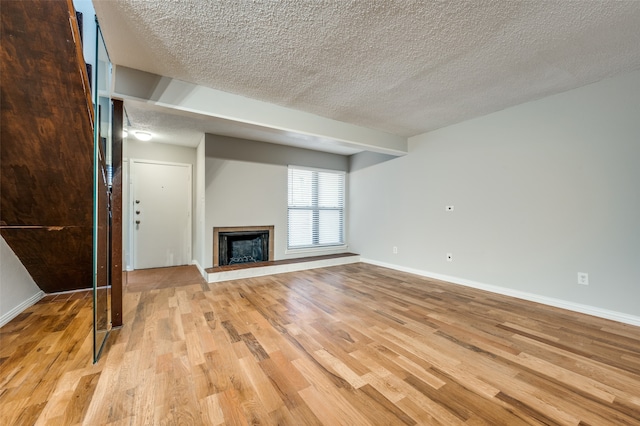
(316, 208)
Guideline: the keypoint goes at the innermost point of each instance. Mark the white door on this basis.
(161, 214)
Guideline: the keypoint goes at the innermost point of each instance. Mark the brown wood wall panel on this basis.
(46, 150)
(47, 139)
(58, 260)
(116, 214)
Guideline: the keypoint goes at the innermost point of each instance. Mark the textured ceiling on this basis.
(403, 67)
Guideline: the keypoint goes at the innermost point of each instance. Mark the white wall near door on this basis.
(18, 291)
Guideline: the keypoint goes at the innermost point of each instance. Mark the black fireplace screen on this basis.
(243, 247)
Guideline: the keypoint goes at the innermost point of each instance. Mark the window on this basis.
(316, 208)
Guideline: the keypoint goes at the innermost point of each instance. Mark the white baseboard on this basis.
(550, 301)
(279, 269)
(4, 319)
(200, 268)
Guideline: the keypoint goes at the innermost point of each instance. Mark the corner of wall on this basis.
(18, 291)
(199, 217)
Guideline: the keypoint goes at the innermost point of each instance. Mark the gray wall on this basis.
(88, 32)
(159, 152)
(246, 185)
(18, 291)
(540, 191)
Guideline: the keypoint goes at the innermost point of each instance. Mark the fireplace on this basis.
(242, 244)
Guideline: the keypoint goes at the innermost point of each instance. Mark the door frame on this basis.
(131, 208)
(127, 235)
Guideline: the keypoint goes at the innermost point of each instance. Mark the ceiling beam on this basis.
(188, 97)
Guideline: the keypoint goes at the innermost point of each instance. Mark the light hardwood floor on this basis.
(354, 345)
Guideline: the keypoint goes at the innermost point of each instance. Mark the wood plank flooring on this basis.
(347, 345)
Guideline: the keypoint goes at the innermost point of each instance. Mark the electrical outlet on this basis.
(449, 257)
(395, 250)
(583, 278)
(448, 208)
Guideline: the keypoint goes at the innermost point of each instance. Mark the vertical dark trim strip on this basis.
(116, 214)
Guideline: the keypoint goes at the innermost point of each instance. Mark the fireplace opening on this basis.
(242, 245)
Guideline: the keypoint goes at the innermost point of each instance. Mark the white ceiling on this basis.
(404, 67)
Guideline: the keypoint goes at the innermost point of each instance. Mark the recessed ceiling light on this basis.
(143, 136)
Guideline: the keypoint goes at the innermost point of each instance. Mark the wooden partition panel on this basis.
(116, 214)
(46, 154)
